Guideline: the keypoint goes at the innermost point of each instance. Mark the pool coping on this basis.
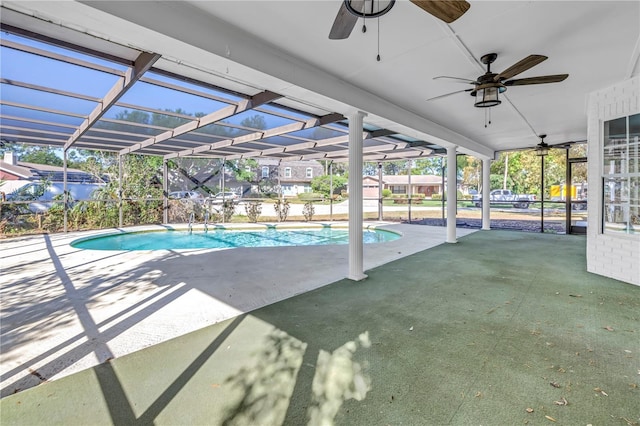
(230, 227)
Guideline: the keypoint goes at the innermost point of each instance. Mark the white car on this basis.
(223, 196)
(187, 195)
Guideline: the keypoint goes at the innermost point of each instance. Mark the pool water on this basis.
(170, 240)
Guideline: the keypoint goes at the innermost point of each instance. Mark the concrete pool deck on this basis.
(65, 309)
(503, 328)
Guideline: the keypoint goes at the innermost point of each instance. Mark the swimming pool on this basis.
(224, 238)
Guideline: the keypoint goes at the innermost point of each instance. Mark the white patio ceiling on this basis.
(274, 54)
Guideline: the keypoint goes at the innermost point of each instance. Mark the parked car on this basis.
(505, 196)
(222, 196)
(188, 195)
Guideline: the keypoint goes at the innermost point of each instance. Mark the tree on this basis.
(35, 154)
(470, 170)
(256, 121)
(322, 184)
(339, 168)
(522, 169)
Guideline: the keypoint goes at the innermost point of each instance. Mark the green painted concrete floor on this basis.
(478, 332)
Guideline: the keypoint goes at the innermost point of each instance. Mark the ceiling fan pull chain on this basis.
(487, 117)
(378, 57)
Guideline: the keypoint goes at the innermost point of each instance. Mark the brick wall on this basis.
(615, 256)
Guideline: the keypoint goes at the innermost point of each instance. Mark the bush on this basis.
(282, 209)
(386, 193)
(228, 209)
(436, 196)
(253, 210)
(308, 211)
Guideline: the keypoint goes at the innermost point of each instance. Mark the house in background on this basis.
(294, 177)
(399, 184)
(17, 174)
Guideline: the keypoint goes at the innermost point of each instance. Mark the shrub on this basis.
(228, 209)
(282, 209)
(253, 210)
(308, 211)
(386, 193)
(436, 196)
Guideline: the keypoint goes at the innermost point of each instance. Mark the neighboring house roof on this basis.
(32, 171)
(16, 170)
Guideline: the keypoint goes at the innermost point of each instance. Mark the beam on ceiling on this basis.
(37, 108)
(276, 131)
(25, 138)
(214, 117)
(59, 57)
(291, 149)
(35, 121)
(48, 90)
(376, 156)
(142, 63)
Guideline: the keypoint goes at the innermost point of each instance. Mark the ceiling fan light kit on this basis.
(542, 149)
(487, 97)
(350, 10)
(368, 8)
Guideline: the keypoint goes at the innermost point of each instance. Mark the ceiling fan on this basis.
(350, 10)
(488, 86)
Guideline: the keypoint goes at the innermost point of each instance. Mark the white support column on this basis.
(65, 191)
(409, 189)
(120, 211)
(331, 191)
(452, 194)
(356, 264)
(165, 191)
(486, 191)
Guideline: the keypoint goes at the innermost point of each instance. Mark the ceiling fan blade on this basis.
(447, 11)
(459, 79)
(537, 80)
(345, 21)
(449, 94)
(521, 66)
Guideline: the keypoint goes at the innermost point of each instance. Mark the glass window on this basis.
(265, 172)
(287, 172)
(309, 172)
(621, 175)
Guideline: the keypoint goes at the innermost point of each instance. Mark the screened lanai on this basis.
(68, 96)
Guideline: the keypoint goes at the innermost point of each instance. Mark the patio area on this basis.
(500, 328)
(67, 309)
